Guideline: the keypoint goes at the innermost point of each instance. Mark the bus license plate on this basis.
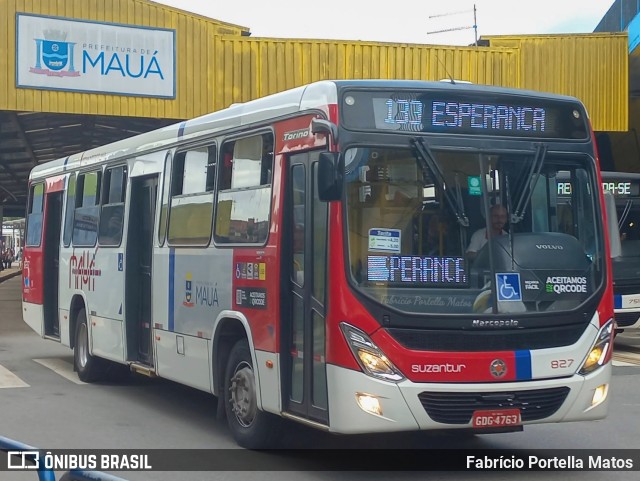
(492, 419)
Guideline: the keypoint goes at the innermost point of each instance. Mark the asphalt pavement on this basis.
(12, 271)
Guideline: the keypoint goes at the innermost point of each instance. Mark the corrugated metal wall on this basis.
(593, 67)
(192, 55)
(246, 68)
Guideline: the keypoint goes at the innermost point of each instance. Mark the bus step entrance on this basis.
(143, 369)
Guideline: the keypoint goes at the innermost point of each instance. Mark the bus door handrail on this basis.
(8, 445)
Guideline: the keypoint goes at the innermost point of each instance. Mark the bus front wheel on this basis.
(250, 427)
(88, 367)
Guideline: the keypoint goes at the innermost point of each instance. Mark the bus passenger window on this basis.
(191, 206)
(227, 167)
(164, 205)
(69, 209)
(247, 163)
(244, 199)
(112, 212)
(87, 211)
(34, 220)
(267, 162)
(111, 224)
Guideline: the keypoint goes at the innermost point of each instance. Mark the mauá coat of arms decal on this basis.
(54, 55)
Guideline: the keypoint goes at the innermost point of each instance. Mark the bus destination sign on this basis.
(445, 112)
(623, 188)
(433, 270)
(619, 188)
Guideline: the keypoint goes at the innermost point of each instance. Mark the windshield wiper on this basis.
(525, 196)
(625, 214)
(429, 164)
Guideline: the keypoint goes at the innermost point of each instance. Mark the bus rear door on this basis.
(139, 269)
(51, 253)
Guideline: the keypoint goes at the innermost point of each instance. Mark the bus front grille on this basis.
(490, 340)
(458, 407)
(624, 319)
(626, 287)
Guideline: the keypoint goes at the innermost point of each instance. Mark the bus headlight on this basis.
(600, 352)
(368, 403)
(599, 395)
(371, 359)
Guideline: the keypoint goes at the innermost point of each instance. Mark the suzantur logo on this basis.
(417, 368)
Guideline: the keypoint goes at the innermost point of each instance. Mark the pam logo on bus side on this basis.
(83, 271)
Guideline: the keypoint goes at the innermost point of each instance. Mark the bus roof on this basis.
(450, 86)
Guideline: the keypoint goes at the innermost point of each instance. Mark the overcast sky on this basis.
(404, 21)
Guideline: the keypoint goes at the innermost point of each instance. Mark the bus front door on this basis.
(139, 269)
(305, 260)
(51, 252)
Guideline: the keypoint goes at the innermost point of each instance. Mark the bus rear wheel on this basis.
(88, 367)
(250, 427)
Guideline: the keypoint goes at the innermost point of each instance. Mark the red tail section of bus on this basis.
(33, 275)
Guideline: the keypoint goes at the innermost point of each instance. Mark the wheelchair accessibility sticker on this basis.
(508, 287)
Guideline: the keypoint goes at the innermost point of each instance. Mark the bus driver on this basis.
(479, 237)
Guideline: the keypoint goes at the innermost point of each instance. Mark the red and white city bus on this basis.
(305, 256)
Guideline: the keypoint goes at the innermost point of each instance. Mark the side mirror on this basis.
(329, 177)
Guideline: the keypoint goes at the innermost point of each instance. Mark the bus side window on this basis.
(244, 199)
(266, 166)
(247, 163)
(112, 211)
(166, 193)
(87, 211)
(227, 167)
(34, 220)
(191, 196)
(69, 209)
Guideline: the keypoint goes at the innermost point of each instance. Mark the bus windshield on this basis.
(454, 231)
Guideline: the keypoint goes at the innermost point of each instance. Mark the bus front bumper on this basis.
(400, 407)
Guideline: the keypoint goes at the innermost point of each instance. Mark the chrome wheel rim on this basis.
(82, 345)
(243, 394)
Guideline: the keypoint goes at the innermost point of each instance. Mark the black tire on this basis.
(250, 427)
(88, 367)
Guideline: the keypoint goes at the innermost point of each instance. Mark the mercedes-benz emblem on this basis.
(498, 368)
